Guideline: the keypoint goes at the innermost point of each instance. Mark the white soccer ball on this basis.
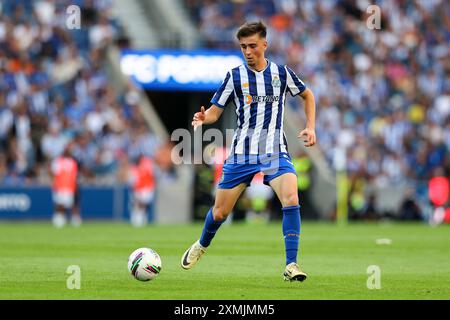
(144, 264)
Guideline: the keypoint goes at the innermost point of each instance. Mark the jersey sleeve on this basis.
(224, 94)
(294, 84)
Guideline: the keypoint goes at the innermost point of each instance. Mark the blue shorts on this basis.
(236, 172)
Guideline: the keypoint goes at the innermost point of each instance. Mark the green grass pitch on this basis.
(244, 262)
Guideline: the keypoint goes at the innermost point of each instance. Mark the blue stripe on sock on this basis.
(291, 231)
(209, 229)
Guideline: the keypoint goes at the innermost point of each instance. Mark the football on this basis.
(144, 264)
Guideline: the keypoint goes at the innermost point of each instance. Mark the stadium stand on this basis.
(383, 95)
(54, 89)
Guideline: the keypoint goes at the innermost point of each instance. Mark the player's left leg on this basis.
(75, 218)
(285, 187)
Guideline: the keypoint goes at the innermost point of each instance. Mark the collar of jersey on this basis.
(268, 64)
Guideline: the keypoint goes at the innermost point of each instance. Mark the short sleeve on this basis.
(294, 84)
(224, 94)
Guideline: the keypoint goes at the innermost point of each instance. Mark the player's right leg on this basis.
(224, 203)
(141, 203)
(63, 201)
(138, 217)
(59, 217)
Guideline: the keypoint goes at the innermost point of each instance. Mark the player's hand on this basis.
(309, 137)
(199, 117)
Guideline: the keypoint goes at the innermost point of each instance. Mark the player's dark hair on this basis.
(250, 28)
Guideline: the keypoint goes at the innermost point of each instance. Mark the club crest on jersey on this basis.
(276, 82)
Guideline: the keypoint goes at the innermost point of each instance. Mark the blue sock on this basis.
(209, 229)
(291, 231)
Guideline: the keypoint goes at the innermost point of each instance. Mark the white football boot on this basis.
(59, 220)
(294, 273)
(192, 255)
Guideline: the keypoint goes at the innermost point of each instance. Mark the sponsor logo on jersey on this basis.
(248, 99)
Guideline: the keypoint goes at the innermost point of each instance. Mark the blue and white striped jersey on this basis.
(259, 98)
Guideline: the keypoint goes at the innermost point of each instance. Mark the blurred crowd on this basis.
(383, 95)
(55, 91)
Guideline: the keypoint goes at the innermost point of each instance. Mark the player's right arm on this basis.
(206, 117)
(221, 98)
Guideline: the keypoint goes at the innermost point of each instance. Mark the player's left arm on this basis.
(309, 133)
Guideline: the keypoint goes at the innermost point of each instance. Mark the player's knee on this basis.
(219, 213)
(290, 199)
